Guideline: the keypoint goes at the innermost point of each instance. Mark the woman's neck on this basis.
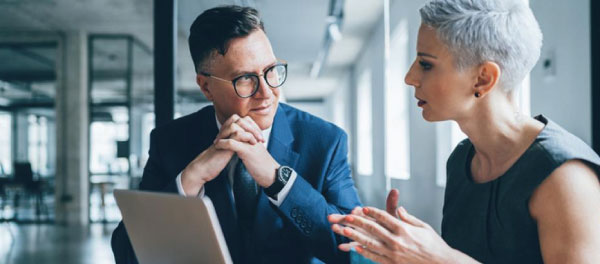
(500, 135)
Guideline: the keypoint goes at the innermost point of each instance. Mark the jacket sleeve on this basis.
(307, 209)
(153, 179)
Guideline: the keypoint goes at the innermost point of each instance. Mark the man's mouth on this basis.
(263, 110)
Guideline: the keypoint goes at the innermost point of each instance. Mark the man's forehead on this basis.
(248, 53)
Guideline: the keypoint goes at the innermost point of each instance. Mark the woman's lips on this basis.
(420, 102)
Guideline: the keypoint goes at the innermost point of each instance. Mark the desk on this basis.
(105, 183)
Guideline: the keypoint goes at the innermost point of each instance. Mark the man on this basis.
(273, 172)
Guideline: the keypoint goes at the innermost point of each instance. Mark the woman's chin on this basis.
(429, 117)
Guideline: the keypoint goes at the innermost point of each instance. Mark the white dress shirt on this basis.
(280, 196)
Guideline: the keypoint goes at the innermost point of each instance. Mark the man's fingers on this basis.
(254, 124)
(244, 136)
(230, 144)
(235, 131)
(232, 119)
(248, 124)
(392, 202)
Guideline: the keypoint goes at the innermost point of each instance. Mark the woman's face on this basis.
(441, 89)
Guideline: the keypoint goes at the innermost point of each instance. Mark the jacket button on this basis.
(294, 212)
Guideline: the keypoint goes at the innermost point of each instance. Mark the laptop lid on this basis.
(168, 228)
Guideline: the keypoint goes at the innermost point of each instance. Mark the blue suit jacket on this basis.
(297, 230)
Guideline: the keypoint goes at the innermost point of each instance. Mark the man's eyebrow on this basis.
(423, 54)
(237, 73)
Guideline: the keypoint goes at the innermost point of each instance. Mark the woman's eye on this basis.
(425, 65)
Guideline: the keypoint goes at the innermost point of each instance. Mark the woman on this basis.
(519, 189)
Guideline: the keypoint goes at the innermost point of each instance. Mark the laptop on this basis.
(168, 228)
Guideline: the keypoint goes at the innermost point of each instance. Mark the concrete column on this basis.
(72, 123)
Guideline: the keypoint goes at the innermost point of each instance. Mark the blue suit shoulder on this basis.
(188, 125)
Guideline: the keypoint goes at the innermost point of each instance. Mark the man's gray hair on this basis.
(502, 31)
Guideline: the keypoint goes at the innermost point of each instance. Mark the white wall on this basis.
(564, 97)
(420, 194)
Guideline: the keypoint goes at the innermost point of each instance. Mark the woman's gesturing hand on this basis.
(383, 238)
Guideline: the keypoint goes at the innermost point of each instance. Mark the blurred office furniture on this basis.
(29, 187)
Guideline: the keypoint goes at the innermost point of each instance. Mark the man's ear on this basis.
(487, 77)
(202, 81)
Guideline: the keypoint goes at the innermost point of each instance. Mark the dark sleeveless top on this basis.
(490, 221)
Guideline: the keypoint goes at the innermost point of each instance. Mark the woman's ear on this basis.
(202, 81)
(487, 78)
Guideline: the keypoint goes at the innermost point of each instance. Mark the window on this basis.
(5, 144)
(37, 142)
(397, 156)
(449, 133)
(364, 152)
(104, 136)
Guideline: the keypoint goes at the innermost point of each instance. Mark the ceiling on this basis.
(296, 29)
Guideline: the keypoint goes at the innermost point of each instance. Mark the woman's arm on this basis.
(566, 207)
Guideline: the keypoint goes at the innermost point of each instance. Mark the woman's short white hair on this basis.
(475, 31)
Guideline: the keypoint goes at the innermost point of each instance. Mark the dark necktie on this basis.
(245, 192)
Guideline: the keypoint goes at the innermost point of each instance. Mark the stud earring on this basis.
(477, 94)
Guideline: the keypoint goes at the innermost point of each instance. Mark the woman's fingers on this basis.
(394, 225)
(348, 246)
(335, 218)
(363, 239)
(359, 211)
(391, 204)
(411, 219)
(372, 255)
(369, 227)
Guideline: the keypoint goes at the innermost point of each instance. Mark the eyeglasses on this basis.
(247, 85)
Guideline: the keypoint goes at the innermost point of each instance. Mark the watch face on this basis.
(285, 173)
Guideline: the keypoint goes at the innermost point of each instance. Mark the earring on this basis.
(477, 94)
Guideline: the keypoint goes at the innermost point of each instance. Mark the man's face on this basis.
(250, 54)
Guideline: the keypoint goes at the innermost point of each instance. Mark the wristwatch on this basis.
(282, 176)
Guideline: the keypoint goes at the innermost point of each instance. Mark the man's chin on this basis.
(264, 122)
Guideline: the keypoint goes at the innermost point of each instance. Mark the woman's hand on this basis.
(383, 238)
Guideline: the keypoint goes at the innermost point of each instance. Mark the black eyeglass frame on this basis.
(256, 76)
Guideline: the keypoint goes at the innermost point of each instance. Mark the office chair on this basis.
(23, 175)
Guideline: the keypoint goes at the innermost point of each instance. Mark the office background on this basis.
(82, 84)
